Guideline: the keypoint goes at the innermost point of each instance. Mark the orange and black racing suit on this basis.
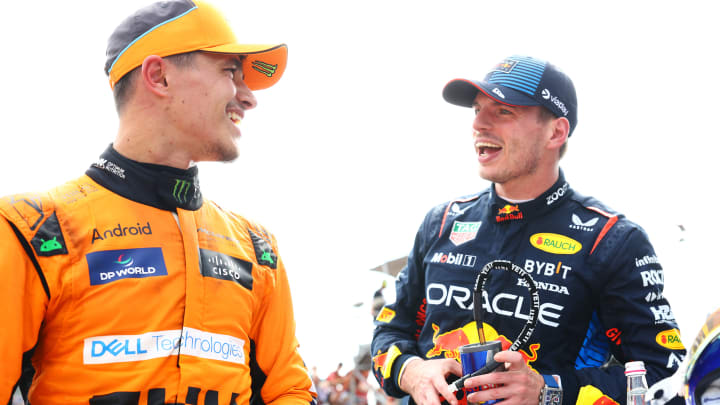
(124, 286)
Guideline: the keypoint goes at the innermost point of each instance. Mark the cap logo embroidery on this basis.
(506, 66)
(498, 92)
(546, 94)
(264, 68)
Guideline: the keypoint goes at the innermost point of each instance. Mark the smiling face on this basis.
(208, 101)
(510, 141)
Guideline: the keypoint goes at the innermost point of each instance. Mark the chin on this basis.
(221, 153)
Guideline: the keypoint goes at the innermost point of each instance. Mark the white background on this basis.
(343, 157)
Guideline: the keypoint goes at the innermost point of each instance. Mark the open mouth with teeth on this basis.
(234, 117)
(485, 149)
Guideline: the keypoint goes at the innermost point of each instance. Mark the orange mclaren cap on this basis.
(172, 27)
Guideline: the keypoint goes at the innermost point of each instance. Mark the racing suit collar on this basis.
(158, 186)
(504, 211)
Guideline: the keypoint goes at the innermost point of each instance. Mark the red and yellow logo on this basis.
(448, 343)
(555, 243)
(508, 209)
(383, 362)
(670, 339)
(386, 315)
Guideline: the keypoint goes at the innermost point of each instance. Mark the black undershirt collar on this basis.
(158, 186)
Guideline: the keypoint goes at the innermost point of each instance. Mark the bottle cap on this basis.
(634, 368)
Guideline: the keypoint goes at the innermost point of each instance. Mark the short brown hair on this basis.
(122, 91)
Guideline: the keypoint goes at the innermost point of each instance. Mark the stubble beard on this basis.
(526, 167)
(223, 152)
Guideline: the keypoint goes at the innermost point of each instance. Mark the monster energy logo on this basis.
(180, 190)
(264, 68)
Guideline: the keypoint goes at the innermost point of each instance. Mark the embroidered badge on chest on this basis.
(263, 251)
(463, 232)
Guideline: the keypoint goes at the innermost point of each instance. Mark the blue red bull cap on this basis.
(520, 81)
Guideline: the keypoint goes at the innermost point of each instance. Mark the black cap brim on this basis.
(462, 92)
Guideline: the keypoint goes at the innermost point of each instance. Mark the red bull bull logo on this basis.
(448, 343)
(508, 212)
(508, 209)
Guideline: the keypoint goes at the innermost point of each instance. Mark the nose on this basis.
(482, 120)
(245, 96)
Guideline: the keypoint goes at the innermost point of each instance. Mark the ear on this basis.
(560, 131)
(154, 69)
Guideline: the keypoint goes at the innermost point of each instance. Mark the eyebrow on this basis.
(495, 102)
(237, 62)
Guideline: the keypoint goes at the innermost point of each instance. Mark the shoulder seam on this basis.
(447, 208)
(601, 212)
(29, 252)
(610, 223)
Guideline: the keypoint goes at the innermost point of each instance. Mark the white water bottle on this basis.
(636, 383)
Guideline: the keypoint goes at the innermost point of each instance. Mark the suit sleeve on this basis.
(279, 373)
(24, 300)
(633, 311)
(398, 325)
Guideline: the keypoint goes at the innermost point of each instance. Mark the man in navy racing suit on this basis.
(599, 280)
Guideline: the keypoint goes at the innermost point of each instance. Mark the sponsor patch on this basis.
(110, 167)
(652, 277)
(555, 243)
(508, 212)
(151, 345)
(653, 296)
(386, 315)
(662, 314)
(546, 269)
(670, 339)
(111, 265)
(264, 253)
(459, 259)
(49, 241)
(645, 260)
(557, 194)
(224, 267)
(463, 232)
(121, 230)
(591, 395)
(581, 225)
(614, 335)
(392, 354)
(675, 360)
(505, 66)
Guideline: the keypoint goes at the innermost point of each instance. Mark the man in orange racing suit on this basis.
(125, 286)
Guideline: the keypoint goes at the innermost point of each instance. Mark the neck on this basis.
(528, 187)
(143, 141)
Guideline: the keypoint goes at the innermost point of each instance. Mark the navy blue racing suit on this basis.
(599, 280)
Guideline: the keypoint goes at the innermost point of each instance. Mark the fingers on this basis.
(512, 359)
(443, 389)
(426, 381)
(518, 385)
